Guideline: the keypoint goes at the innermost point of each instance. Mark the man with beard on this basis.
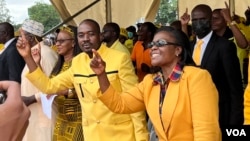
(99, 123)
(219, 56)
(110, 35)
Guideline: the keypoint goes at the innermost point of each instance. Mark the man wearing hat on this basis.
(40, 127)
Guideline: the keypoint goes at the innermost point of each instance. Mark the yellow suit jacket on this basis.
(247, 100)
(99, 123)
(189, 111)
(119, 46)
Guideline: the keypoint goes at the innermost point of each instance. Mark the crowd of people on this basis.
(181, 82)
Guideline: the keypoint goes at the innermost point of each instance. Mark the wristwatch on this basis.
(232, 23)
(71, 93)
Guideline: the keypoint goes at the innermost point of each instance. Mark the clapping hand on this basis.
(97, 64)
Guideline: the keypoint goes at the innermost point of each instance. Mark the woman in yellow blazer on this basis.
(247, 100)
(181, 100)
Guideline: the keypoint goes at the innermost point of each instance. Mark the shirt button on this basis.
(98, 121)
(94, 101)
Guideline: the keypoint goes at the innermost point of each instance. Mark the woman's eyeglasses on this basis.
(161, 43)
(60, 41)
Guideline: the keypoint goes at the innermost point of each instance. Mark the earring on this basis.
(177, 55)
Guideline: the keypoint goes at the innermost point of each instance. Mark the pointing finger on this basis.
(96, 54)
(22, 35)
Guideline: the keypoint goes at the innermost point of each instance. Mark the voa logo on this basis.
(236, 132)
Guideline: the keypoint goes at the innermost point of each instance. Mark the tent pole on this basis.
(108, 11)
(71, 17)
(232, 7)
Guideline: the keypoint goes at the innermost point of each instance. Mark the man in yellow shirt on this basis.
(99, 123)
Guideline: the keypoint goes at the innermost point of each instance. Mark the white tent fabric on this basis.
(128, 12)
(123, 12)
(239, 6)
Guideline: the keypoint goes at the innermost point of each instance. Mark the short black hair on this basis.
(115, 27)
(131, 29)
(8, 28)
(95, 23)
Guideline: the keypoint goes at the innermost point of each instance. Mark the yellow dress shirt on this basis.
(99, 123)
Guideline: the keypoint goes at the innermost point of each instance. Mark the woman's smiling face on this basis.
(167, 53)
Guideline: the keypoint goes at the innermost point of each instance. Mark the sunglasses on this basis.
(161, 43)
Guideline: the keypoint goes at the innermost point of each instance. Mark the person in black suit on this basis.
(11, 63)
(219, 56)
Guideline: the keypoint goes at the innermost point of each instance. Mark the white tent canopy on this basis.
(124, 12)
(128, 12)
(237, 6)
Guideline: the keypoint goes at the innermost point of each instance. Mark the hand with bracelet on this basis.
(239, 37)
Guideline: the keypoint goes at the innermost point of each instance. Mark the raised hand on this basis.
(185, 18)
(24, 50)
(226, 13)
(247, 12)
(23, 45)
(36, 54)
(97, 64)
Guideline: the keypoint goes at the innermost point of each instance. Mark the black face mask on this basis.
(201, 27)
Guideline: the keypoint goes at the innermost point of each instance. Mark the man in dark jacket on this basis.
(11, 63)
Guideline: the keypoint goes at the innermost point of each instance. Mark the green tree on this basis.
(167, 12)
(4, 12)
(17, 26)
(44, 13)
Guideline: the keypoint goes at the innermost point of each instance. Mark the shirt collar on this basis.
(113, 45)
(8, 43)
(174, 76)
(206, 38)
(101, 50)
